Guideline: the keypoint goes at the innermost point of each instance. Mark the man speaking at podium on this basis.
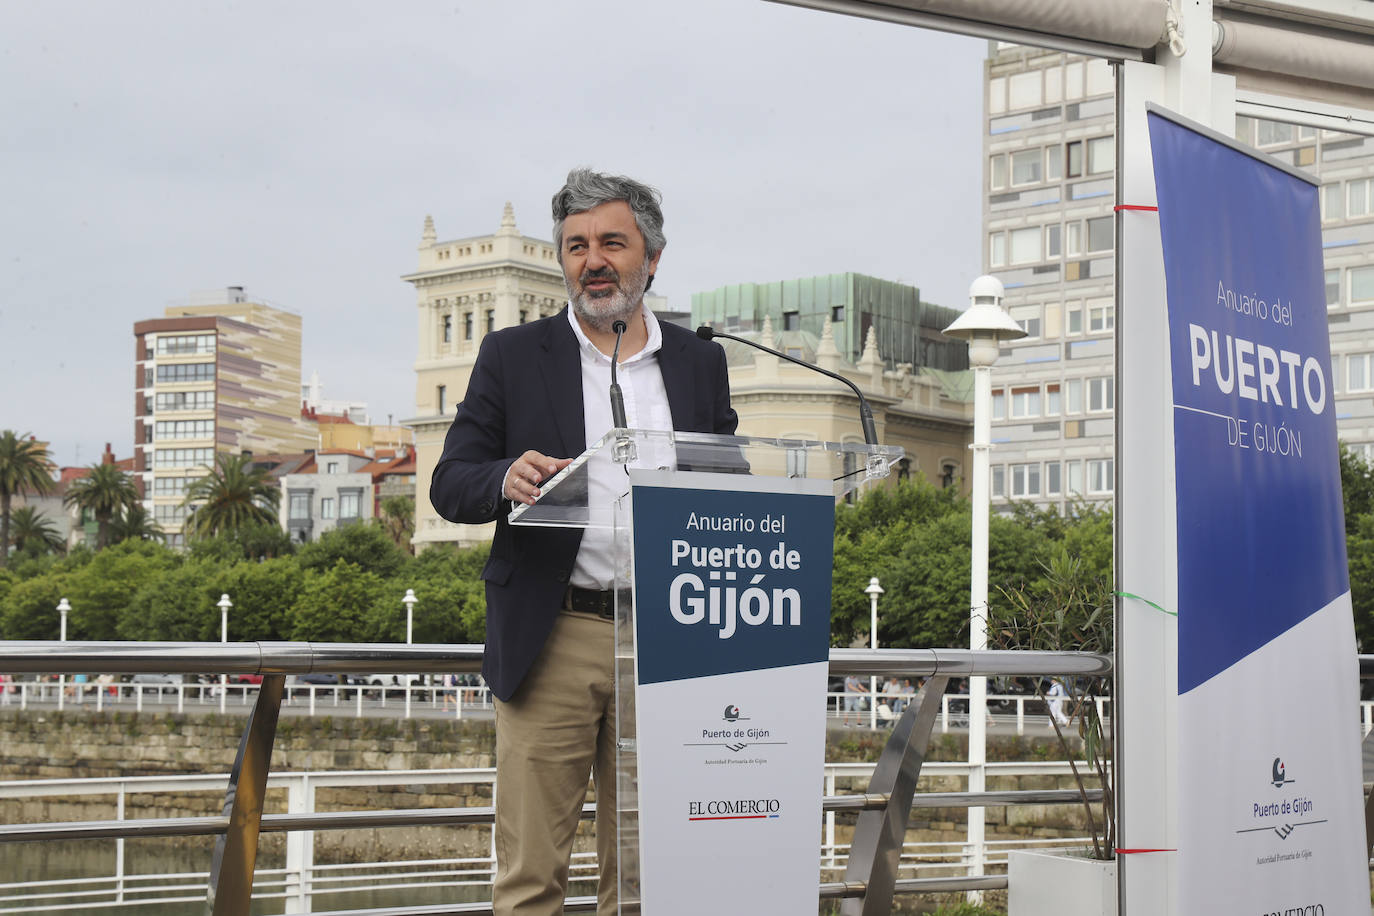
(538, 396)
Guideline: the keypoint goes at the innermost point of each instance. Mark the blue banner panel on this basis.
(730, 581)
(1261, 543)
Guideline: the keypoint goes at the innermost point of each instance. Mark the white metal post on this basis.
(224, 605)
(873, 591)
(62, 608)
(409, 601)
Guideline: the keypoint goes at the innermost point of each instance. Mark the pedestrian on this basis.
(854, 691)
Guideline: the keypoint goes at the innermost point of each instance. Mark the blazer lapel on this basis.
(677, 382)
(561, 367)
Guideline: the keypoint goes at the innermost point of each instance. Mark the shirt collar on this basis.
(652, 346)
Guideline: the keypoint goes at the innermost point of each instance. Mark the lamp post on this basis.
(62, 608)
(409, 601)
(984, 325)
(224, 605)
(873, 591)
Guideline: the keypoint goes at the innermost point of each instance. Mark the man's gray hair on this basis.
(586, 189)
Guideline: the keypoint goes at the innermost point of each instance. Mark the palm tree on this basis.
(233, 496)
(135, 524)
(105, 493)
(24, 467)
(27, 527)
(398, 518)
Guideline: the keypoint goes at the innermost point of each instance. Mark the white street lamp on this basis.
(409, 601)
(873, 591)
(62, 608)
(224, 605)
(984, 325)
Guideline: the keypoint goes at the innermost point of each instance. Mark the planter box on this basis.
(1059, 883)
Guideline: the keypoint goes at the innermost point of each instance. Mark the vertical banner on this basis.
(732, 633)
(1270, 793)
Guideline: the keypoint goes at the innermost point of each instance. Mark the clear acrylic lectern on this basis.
(593, 493)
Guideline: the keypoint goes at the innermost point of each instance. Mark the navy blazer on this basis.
(526, 393)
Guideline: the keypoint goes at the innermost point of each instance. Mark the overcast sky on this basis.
(152, 150)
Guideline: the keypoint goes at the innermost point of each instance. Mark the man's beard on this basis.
(617, 304)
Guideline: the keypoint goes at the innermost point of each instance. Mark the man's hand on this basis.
(527, 473)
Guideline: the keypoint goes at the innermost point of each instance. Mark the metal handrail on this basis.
(871, 875)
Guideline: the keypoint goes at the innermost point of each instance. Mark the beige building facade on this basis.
(470, 287)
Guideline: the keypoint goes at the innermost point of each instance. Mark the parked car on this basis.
(157, 682)
(392, 683)
(245, 678)
(301, 683)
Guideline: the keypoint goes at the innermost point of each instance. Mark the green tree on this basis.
(344, 603)
(263, 595)
(233, 495)
(24, 468)
(105, 492)
(451, 602)
(101, 590)
(29, 609)
(134, 523)
(180, 605)
(398, 520)
(365, 546)
(1357, 488)
(33, 532)
(261, 541)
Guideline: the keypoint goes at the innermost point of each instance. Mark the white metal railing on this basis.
(302, 882)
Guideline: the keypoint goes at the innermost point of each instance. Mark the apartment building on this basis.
(219, 374)
(1049, 229)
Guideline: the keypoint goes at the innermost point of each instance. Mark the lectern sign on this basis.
(732, 630)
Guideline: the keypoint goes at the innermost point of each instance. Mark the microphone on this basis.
(706, 332)
(624, 451)
(617, 399)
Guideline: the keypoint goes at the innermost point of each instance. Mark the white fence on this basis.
(303, 885)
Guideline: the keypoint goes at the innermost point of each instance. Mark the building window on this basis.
(299, 506)
(1028, 317)
(349, 504)
(441, 395)
(796, 462)
(490, 320)
(997, 172)
(1025, 401)
(1359, 372)
(837, 314)
(1073, 318)
(1333, 287)
(999, 480)
(999, 405)
(184, 457)
(185, 400)
(947, 475)
(791, 321)
(1101, 393)
(1073, 474)
(1073, 155)
(467, 325)
(1073, 238)
(1026, 167)
(186, 372)
(1054, 161)
(1025, 479)
(185, 344)
(184, 429)
(1101, 155)
(1100, 232)
(169, 514)
(1361, 285)
(1052, 487)
(331, 467)
(1100, 476)
(1053, 248)
(1101, 315)
(1075, 395)
(1272, 133)
(1359, 197)
(524, 316)
(1051, 400)
(327, 507)
(448, 328)
(1025, 245)
(997, 249)
(1332, 202)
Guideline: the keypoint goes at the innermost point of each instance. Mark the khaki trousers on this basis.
(558, 729)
